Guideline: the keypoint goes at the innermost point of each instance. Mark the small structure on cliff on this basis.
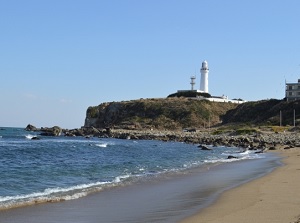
(292, 91)
(203, 92)
(204, 77)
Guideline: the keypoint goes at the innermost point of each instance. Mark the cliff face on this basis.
(266, 112)
(169, 113)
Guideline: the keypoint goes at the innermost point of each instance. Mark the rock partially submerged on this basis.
(232, 157)
(57, 131)
(205, 147)
(54, 131)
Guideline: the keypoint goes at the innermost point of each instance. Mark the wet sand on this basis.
(272, 198)
(167, 199)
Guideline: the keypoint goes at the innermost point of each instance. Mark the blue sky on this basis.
(57, 57)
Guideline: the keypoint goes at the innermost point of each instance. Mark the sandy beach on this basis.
(272, 198)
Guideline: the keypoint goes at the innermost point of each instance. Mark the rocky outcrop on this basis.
(259, 141)
(164, 114)
(54, 131)
(187, 113)
(58, 131)
(87, 132)
(30, 127)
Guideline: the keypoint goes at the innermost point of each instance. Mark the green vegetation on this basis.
(169, 113)
(245, 131)
(266, 112)
(219, 132)
(92, 112)
(175, 113)
(236, 129)
(280, 128)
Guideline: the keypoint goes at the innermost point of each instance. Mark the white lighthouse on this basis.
(204, 77)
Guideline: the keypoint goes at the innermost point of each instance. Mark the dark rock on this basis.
(245, 140)
(204, 147)
(107, 130)
(30, 127)
(232, 157)
(189, 130)
(217, 144)
(69, 134)
(78, 132)
(88, 131)
(35, 138)
(232, 140)
(54, 131)
(272, 148)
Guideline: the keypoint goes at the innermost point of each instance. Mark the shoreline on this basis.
(271, 198)
(250, 139)
(167, 199)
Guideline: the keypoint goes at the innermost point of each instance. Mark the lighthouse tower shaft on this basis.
(204, 77)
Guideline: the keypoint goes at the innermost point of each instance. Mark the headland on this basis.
(251, 125)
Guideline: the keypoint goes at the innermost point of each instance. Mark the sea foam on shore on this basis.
(165, 198)
(66, 168)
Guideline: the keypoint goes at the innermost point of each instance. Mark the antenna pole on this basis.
(294, 118)
(280, 118)
(192, 82)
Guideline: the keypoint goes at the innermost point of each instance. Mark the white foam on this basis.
(246, 152)
(118, 179)
(57, 193)
(103, 145)
(239, 156)
(191, 164)
(30, 136)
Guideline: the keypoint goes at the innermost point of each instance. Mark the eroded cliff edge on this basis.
(167, 113)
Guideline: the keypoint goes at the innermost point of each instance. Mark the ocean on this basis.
(54, 169)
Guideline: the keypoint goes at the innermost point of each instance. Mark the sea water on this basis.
(66, 168)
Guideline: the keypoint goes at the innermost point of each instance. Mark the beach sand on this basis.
(272, 198)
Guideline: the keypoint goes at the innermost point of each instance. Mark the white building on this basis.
(204, 88)
(292, 91)
(204, 77)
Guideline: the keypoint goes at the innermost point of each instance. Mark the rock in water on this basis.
(204, 147)
(54, 131)
(232, 157)
(30, 127)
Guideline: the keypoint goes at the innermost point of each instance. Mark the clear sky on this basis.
(58, 57)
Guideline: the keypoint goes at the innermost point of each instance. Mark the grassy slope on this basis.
(169, 113)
